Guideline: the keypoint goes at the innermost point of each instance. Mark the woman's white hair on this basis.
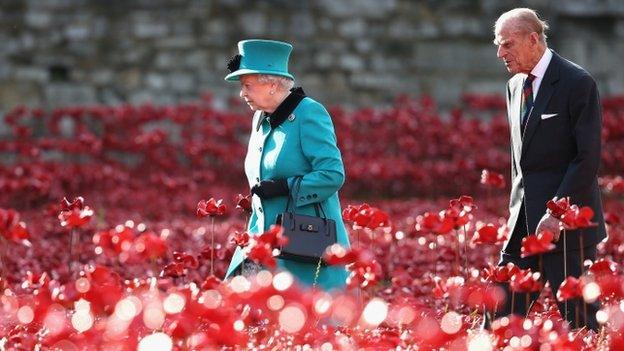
(284, 83)
(524, 20)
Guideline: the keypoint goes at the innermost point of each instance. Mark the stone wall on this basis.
(349, 52)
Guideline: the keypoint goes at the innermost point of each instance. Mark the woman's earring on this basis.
(271, 92)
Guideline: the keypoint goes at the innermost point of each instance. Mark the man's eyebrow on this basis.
(500, 41)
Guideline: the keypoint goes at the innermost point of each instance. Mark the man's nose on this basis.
(500, 52)
(242, 93)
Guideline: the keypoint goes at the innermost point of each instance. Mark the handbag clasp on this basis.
(309, 228)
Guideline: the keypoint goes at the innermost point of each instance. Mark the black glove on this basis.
(270, 188)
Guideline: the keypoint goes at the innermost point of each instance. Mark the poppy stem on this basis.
(458, 249)
(372, 241)
(526, 303)
(513, 301)
(467, 270)
(541, 263)
(70, 263)
(582, 252)
(437, 256)
(565, 268)
(582, 248)
(576, 315)
(212, 247)
(3, 268)
(154, 267)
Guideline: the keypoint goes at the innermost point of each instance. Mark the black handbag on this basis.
(308, 236)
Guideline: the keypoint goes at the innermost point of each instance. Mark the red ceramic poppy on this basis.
(537, 244)
(492, 179)
(570, 288)
(211, 207)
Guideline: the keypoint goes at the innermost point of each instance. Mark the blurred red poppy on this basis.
(150, 246)
(525, 281)
(570, 288)
(603, 266)
(501, 274)
(74, 214)
(174, 270)
(211, 282)
(365, 216)
(243, 203)
(437, 223)
(493, 179)
(489, 234)
(577, 218)
(240, 239)
(558, 207)
(537, 244)
(189, 261)
(211, 207)
(11, 227)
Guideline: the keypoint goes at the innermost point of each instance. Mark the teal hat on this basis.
(260, 56)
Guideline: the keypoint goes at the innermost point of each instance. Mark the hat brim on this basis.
(234, 76)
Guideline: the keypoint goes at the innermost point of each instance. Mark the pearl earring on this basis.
(271, 92)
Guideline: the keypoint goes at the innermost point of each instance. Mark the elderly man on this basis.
(555, 120)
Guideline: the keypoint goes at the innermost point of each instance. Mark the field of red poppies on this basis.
(117, 223)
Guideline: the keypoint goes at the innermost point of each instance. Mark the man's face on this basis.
(517, 49)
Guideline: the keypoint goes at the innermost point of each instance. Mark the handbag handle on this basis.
(292, 196)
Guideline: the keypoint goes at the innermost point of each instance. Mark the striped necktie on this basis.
(527, 99)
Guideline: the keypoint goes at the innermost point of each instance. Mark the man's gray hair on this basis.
(524, 20)
(284, 83)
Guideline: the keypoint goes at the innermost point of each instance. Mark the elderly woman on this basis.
(292, 141)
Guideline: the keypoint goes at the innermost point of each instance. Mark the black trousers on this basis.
(552, 270)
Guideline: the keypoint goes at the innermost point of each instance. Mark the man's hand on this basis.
(551, 224)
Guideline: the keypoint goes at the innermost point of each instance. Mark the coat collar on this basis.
(287, 106)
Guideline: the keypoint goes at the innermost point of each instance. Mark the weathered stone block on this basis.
(181, 81)
(64, 94)
(33, 74)
(77, 31)
(143, 29)
(38, 19)
(155, 81)
(252, 23)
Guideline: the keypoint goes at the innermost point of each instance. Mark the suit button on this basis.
(260, 149)
(257, 180)
(260, 209)
(314, 196)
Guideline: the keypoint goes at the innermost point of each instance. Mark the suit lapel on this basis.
(547, 87)
(514, 122)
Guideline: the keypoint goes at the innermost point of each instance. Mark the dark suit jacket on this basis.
(558, 155)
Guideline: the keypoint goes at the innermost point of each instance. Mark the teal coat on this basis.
(303, 145)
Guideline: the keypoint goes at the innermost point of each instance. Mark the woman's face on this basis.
(257, 94)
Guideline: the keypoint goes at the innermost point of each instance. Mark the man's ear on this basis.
(534, 37)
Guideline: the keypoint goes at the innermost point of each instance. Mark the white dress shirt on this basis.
(539, 70)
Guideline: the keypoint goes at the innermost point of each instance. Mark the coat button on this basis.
(260, 149)
(257, 180)
(308, 197)
(314, 196)
(302, 198)
(260, 209)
